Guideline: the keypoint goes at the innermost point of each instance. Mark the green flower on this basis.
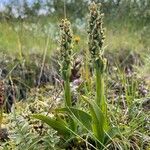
(96, 31)
(65, 47)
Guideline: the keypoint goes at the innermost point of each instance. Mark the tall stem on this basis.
(100, 101)
(99, 87)
(67, 92)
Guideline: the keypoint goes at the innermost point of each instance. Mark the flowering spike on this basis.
(66, 52)
(65, 47)
(96, 40)
(96, 30)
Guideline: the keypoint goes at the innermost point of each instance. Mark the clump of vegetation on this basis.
(94, 122)
(102, 106)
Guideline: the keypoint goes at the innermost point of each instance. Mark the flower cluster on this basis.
(96, 30)
(65, 47)
(96, 36)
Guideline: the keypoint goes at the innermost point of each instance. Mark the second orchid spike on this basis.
(65, 47)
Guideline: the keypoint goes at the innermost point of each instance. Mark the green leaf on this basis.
(72, 124)
(98, 120)
(79, 115)
(112, 132)
(57, 124)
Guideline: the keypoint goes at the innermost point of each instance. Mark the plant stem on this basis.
(68, 103)
(99, 86)
(100, 96)
(67, 92)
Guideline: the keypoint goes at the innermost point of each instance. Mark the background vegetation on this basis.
(29, 23)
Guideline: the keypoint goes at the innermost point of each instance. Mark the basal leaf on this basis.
(59, 125)
(79, 115)
(112, 132)
(98, 120)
